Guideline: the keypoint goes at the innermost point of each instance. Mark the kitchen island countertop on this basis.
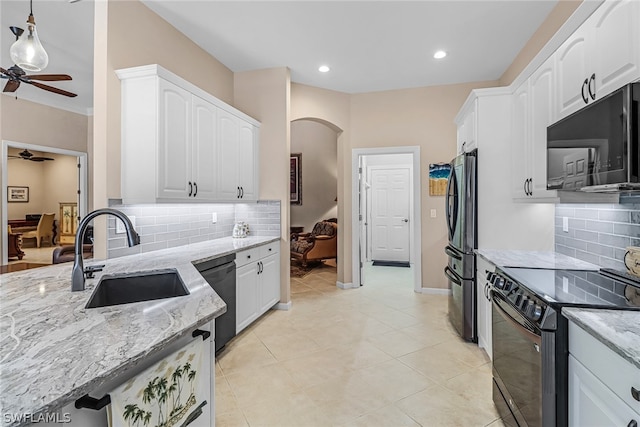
(53, 350)
(617, 329)
(534, 259)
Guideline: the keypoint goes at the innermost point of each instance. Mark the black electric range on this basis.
(530, 337)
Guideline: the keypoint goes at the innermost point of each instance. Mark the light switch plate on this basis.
(214, 217)
(565, 224)
(433, 213)
(120, 225)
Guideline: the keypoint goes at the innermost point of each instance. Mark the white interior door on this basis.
(390, 211)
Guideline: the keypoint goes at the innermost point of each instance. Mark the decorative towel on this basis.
(173, 392)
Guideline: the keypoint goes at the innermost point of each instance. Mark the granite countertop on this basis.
(617, 329)
(534, 259)
(53, 350)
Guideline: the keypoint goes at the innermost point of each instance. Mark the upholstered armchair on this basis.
(44, 230)
(321, 243)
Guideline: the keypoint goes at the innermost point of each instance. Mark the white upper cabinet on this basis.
(467, 129)
(520, 142)
(238, 155)
(572, 70)
(180, 143)
(541, 115)
(600, 57)
(174, 141)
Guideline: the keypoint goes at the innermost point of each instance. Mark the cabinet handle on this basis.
(196, 189)
(238, 194)
(89, 402)
(632, 423)
(242, 192)
(199, 332)
(524, 187)
(584, 95)
(592, 94)
(190, 188)
(635, 393)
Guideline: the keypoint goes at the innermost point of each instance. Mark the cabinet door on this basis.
(591, 403)
(247, 161)
(228, 156)
(572, 71)
(246, 295)
(470, 142)
(174, 141)
(269, 282)
(615, 45)
(541, 114)
(520, 159)
(484, 304)
(203, 170)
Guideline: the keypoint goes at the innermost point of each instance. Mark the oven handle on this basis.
(452, 276)
(531, 336)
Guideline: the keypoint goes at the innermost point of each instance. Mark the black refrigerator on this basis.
(461, 216)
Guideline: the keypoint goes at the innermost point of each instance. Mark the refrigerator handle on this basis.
(449, 251)
(451, 216)
(452, 276)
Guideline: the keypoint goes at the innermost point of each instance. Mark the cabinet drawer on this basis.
(269, 249)
(245, 257)
(615, 372)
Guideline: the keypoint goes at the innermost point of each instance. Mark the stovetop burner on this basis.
(590, 289)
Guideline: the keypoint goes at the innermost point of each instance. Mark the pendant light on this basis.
(27, 52)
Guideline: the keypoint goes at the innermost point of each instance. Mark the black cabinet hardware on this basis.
(89, 402)
(199, 332)
(592, 93)
(635, 393)
(190, 188)
(195, 186)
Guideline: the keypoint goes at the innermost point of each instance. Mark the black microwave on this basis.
(596, 148)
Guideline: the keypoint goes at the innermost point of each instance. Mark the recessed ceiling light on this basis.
(324, 68)
(440, 54)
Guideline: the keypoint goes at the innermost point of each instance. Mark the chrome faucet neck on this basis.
(77, 274)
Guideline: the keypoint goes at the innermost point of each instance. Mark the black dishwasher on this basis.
(220, 273)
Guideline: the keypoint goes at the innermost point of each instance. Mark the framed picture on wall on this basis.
(17, 194)
(295, 179)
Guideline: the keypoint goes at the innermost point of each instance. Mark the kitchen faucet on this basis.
(77, 275)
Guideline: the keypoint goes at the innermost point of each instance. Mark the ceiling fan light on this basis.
(27, 52)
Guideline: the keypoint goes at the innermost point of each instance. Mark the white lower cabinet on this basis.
(483, 297)
(601, 384)
(70, 416)
(257, 283)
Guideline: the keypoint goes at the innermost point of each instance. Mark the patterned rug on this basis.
(297, 270)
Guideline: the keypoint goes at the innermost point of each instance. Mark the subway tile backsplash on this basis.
(598, 233)
(165, 226)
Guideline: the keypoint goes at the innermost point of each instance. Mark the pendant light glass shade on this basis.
(27, 52)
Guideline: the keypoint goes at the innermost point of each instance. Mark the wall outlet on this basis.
(433, 213)
(214, 217)
(565, 224)
(565, 285)
(120, 225)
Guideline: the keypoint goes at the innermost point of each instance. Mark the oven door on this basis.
(517, 362)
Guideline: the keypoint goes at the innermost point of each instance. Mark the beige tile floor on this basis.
(380, 355)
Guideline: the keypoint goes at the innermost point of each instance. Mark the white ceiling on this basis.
(369, 45)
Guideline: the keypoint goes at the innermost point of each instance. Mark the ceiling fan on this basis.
(27, 155)
(17, 75)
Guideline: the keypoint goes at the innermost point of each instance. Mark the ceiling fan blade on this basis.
(53, 89)
(11, 86)
(49, 77)
(3, 71)
(40, 159)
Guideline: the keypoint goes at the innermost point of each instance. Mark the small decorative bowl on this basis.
(632, 260)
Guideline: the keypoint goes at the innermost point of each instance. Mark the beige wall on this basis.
(318, 144)
(49, 182)
(264, 95)
(558, 15)
(32, 123)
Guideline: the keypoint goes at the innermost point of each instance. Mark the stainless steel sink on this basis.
(117, 289)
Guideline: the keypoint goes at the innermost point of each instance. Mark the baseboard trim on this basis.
(345, 285)
(283, 306)
(436, 291)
